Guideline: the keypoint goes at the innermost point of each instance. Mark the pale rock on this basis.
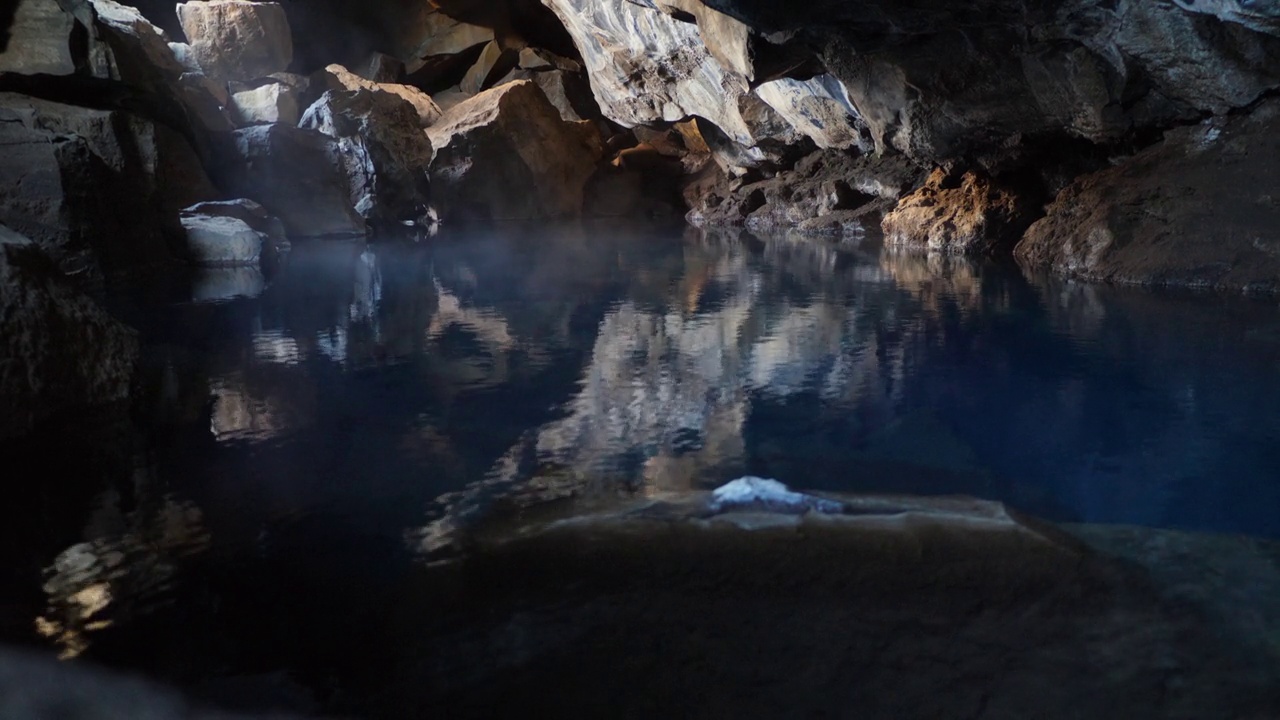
(269, 103)
(237, 40)
(221, 241)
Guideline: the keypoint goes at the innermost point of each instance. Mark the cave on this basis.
(640, 359)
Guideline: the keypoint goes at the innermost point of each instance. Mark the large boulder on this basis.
(39, 39)
(964, 213)
(58, 349)
(269, 103)
(337, 78)
(382, 148)
(1199, 209)
(237, 40)
(506, 154)
(296, 174)
(99, 190)
(221, 241)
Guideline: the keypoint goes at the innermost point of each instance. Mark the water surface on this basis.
(299, 440)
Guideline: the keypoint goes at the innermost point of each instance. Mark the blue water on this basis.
(374, 379)
(295, 436)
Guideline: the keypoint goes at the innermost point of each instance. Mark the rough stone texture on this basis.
(269, 103)
(97, 189)
(493, 63)
(58, 349)
(570, 93)
(136, 52)
(818, 108)
(382, 148)
(1200, 209)
(246, 211)
(851, 189)
(206, 101)
(338, 78)
(182, 53)
(237, 40)
(953, 213)
(647, 66)
(221, 241)
(39, 40)
(433, 33)
(506, 154)
(381, 68)
(296, 174)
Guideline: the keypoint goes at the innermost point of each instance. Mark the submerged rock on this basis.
(237, 40)
(953, 213)
(58, 349)
(296, 174)
(382, 148)
(506, 154)
(1200, 209)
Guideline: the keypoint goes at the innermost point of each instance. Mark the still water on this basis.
(298, 441)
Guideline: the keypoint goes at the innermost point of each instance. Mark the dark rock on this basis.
(58, 349)
(237, 40)
(98, 190)
(955, 213)
(296, 174)
(381, 68)
(382, 148)
(506, 154)
(1200, 209)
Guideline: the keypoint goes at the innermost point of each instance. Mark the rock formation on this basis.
(506, 154)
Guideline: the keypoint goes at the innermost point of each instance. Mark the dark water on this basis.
(295, 446)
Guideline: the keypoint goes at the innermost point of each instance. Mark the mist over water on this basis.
(320, 428)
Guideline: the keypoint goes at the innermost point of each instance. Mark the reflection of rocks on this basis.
(130, 562)
(216, 284)
(60, 350)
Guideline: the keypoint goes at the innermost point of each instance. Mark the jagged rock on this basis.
(39, 40)
(818, 108)
(338, 78)
(647, 66)
(1199, 209)
(296, 174)
(206, 102)
(97, 189)
(381, 68)
(237, 40)
(954, 213)
(59, 349)
(433, 33)
(848, 190)
(537, 59)
(569, 93)
(450, 98)
(382, 148)
(221, 241)
(269, 103)
(494, 62)
(506, 154)
(182, 53)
